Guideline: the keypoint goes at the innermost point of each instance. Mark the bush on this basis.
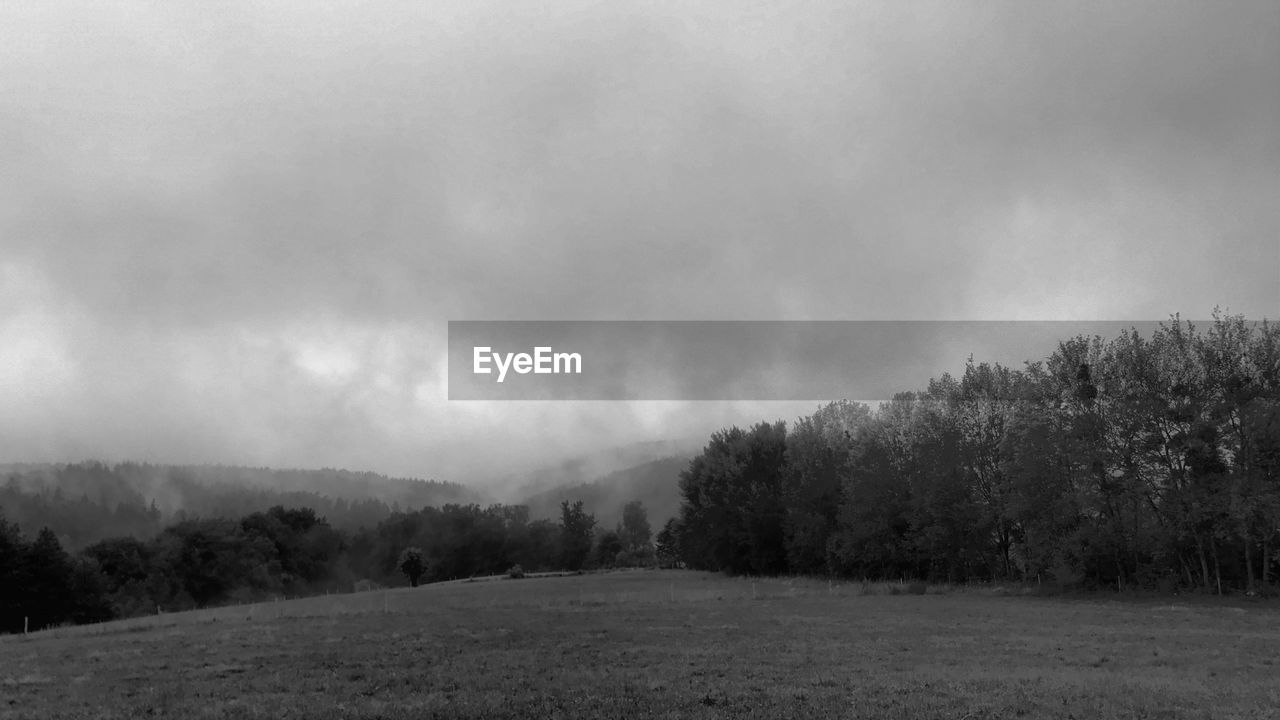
(515, 572)
(643, 557)
(917, 588)
(366, 585)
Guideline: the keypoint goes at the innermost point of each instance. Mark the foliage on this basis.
(667, 545)
(608, 546)
(576, 526)
(204, 562)
(1137, 461)
(634, 531)
(412, 564)
(733, 507)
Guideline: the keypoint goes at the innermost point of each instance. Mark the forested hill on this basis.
(86, 502)
(656, 484)
(588, 469)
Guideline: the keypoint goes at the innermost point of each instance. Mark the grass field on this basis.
(667, 644)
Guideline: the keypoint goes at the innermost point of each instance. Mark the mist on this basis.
(237, 237)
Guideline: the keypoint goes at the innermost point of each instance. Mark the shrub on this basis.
(366, 585)
(917, 588)
(515, 572)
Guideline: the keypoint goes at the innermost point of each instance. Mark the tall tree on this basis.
(13, 581)
(48, 596)
(819, 449)
(576, 526)
(667, 543)
(733, 511)
(413, 564)
(634, 529)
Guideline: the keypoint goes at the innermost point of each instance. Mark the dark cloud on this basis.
(259, 219)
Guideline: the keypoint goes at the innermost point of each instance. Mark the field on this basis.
(666, 644)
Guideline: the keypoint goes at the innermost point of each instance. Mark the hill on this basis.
(654, 483)
(86, 502)
(589, 468)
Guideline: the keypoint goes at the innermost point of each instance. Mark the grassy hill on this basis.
(658, 644)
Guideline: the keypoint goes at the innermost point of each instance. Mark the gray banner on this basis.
(731, 360)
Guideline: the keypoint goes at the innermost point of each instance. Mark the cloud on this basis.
(248, 227)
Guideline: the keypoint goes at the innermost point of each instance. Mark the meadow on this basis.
(664, 644)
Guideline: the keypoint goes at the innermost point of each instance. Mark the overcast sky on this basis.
(234, 232)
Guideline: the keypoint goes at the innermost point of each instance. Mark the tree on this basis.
(608, 545)
(668, 544)
(634, 529)
(13, 550)
(733, 509)
(412, 564)
(819, 449)
(49, 595)
(211, 559)
(576, 527)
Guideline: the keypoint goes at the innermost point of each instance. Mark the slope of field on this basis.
(662, 644)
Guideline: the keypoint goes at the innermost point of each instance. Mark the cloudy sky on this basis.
(234, 232)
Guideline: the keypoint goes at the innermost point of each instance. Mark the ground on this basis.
(666, 644)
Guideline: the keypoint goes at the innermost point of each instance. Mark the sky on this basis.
(235, 232)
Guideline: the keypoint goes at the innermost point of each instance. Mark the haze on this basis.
(236, 234)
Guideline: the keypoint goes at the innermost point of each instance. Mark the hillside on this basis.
(654, 483)
(589, 468)
(85, 502)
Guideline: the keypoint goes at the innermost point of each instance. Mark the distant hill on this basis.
(654, 483)
(592, 467)
(86, 502)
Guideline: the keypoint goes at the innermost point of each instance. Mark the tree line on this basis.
(202, 562)
(1128, 462)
